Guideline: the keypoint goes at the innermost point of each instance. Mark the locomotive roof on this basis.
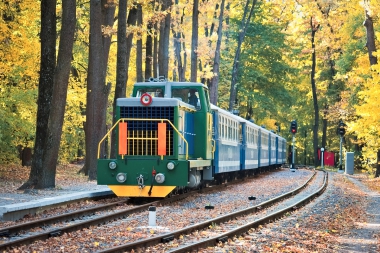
(168, 83)
(130, 102)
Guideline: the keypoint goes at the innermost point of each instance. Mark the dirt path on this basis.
(365, 237)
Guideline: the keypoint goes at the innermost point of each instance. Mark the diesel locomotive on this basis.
(171, 138)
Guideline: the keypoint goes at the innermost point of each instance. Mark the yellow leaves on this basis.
(207, 72)
(204, 233)
(129, 228)
(108, 31)
(96, 244)
(366, 126)
(152, 231)
(16, 33)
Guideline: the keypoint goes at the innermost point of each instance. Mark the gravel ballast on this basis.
(345, 218)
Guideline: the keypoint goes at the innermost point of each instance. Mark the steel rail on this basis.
(14, 230)
(74, 227)
(9, 231)
(213, 241)
(143, 243)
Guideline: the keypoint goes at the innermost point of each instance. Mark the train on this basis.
(170, 138)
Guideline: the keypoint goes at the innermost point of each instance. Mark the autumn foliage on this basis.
(273, 85)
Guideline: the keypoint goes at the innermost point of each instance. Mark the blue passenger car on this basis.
(273, 148)
(227, 133)
(281, 151)
(250, 147)
(264, 147)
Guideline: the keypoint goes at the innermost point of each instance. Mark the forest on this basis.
(63, 63)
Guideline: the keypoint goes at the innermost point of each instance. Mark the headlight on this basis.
(121, 177)
(170, 165)
(112, 165)
(146, 99)
(160, 178)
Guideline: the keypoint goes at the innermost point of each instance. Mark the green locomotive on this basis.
(164, 140)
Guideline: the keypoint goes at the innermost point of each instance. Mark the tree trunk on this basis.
(121, 66)
(314, 91)
(371, 46)
(325, 122)
(155, 51)
(149, 52)
(131, 21)
(209, 33)
(324, 132)
(243, 29)
(377, 172)
(215, 69)
(194, 43)
(139, 49)
(177, 49)
(163, 47)
(61, 82)
(108, 16)
(37, 176)
(97, 91)
(120, 92)
(227, 34)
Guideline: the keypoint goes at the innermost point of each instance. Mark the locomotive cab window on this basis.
(187, 95)
(154, 92)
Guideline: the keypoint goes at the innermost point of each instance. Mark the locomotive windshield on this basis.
(187, 95)
(193, 95)
(154, 92)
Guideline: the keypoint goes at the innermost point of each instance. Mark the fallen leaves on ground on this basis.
(314, 228)
(12, 176)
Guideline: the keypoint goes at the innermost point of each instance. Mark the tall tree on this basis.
(314, 28)
(163, 48)
(131, 21)
(242, 31)
(215, 69)
(139, 46)
(121, 65)
(155, 51)
(38, 176)
(101, 16)
(149, 51)
(120, 91)
(194, 43)
(371, 47)
(179, 45)
(61, 81)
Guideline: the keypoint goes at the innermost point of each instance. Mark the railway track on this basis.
(90, 217)
(19, 234)
(76, 218)
(186, 242)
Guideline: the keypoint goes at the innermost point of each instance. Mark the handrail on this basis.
(130, 119)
